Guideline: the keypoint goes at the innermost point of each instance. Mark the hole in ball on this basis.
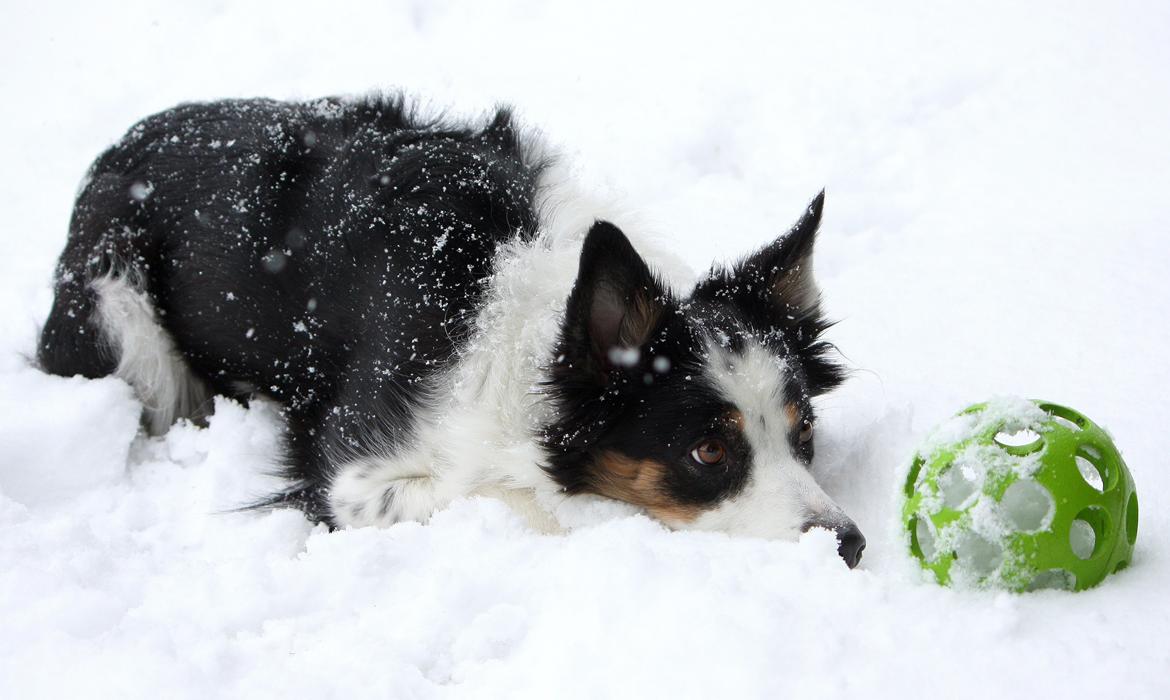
(1027, 505)
(957, 486)
(1090, 474)
(1082, 539)
(1087, 533)
(1095, 469)
(1019, 442)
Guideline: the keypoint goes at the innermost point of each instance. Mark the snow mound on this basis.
(71, 436)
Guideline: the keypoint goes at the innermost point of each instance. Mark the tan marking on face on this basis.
(792, 413)
(640, 482)
(735, 418)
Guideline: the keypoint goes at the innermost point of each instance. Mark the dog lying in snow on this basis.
(439, 313)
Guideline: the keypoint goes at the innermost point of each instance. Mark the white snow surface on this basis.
(996, 223)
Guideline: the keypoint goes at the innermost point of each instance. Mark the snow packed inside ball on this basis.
(1020, 495)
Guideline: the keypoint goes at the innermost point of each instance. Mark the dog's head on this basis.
(698, 409)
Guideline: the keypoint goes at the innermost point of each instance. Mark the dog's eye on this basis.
(806, 431)
(709, 453)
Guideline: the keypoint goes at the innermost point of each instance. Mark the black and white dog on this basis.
(439, 313)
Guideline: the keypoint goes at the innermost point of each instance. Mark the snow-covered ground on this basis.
(997, 222)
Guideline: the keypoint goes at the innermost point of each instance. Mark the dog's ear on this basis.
(776, 280)
(616, 304)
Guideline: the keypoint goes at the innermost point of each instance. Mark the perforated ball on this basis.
(1020, 495)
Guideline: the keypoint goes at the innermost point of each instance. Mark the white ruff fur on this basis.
(780, 495)
(147, 357)
(479, 434)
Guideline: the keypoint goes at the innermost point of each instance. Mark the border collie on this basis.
(439, 313)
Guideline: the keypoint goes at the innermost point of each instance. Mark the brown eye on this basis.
(709, 453)
(806, 431)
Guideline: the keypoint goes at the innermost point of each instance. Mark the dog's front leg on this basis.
(381, 491)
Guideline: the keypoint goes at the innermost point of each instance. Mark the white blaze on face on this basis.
(780, 495)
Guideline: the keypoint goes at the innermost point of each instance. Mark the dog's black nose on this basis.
(850, 541)
(850, 544)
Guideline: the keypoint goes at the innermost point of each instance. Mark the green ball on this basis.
(1020, 495)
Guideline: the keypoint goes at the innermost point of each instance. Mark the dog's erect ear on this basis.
(616, 303)
(779, 276)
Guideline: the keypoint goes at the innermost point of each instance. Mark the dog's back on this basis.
(327, 254)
